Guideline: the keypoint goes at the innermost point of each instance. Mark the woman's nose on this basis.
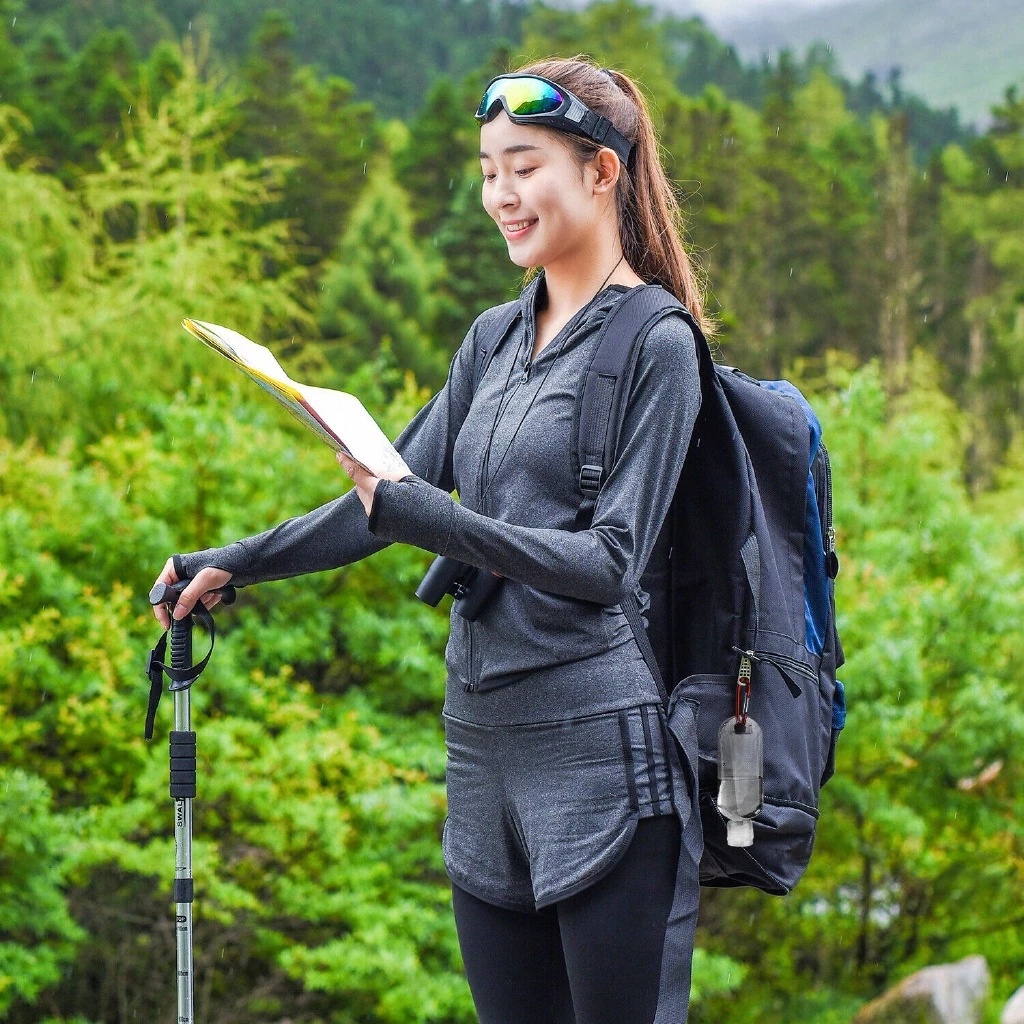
(507, 194)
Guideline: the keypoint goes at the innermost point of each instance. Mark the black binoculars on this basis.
(471, 587)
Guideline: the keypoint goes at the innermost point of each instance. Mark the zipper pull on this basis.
(831, 558)
(746, 657)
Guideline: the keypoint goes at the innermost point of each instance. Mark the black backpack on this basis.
(741, 584)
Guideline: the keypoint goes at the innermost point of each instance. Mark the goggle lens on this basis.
(522, 96)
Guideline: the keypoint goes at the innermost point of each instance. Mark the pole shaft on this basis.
(181, 657)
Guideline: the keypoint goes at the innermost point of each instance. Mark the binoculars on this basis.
(471, 587)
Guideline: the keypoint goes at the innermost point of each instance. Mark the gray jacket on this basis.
(507, 448)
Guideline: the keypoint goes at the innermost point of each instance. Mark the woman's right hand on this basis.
(204, 581)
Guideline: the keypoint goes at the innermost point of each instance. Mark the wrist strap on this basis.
(181, 678)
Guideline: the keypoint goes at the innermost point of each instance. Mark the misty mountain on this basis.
(950, 53)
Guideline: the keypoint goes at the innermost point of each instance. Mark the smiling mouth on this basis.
(513, 229)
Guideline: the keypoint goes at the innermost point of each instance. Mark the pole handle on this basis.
(181, 671)
(168, 593)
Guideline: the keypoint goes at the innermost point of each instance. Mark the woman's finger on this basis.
(204, 581)
(167, 576)
(352, 468)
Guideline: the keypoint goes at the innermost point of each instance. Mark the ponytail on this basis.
(650, 220)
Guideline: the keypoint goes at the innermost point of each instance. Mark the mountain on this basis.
(951, 53)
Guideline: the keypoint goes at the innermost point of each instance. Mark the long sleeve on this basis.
(600, 564)
(336, 534)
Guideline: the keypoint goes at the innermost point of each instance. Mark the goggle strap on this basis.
(599, 128)
(595, 126)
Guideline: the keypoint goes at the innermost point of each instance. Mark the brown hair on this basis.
(650, 220)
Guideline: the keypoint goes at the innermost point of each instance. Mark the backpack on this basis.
(740, 580)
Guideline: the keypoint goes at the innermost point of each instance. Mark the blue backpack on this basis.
(742, 609)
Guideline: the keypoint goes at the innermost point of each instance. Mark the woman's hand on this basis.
(366, 482)
(205, 581)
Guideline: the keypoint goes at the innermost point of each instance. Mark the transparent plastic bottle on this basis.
(740, 778)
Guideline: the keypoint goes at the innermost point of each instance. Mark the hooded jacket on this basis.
(506, 444)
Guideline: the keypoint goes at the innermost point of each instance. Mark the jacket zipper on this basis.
(473, 681)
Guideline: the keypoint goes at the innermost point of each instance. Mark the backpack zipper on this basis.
(831, 558)
(784, 665)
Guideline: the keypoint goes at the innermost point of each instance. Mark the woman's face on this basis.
(534, 190)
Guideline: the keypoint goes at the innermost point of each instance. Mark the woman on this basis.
(570, 841)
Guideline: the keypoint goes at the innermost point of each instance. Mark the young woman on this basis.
(570, 841)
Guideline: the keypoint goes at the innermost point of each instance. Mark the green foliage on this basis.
(39, 936)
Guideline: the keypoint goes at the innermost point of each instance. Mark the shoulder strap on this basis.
(602, 409)
(496, 337)
(602, 404)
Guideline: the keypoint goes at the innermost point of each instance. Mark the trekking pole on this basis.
(182, 764)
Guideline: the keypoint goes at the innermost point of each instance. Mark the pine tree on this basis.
(432, 166)
(314, 123)
(377, 293)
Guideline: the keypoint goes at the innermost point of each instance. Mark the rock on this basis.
(946, 994)
(1013, 1011)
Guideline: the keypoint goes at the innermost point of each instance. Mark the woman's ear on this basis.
(607, 167)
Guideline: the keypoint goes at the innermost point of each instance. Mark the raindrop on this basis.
(128, 490)
(364, 167)
(129, 108)
(33, 380)
(451, 184)
(778, 128)
(790, 271)
(15, 22)
(190, 26)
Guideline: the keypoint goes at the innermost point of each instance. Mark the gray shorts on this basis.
(538, 812)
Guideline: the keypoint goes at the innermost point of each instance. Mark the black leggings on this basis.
(594, 958)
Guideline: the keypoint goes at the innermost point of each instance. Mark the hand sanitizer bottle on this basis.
(740, 777)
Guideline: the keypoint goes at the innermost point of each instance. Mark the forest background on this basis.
(305, 173)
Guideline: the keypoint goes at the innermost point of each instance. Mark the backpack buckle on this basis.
(590, 479)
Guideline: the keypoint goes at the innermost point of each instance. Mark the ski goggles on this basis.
(530, 99)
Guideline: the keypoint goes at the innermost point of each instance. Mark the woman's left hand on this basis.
(366, 482)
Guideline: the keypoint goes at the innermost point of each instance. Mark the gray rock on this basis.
(1013, 1011)
(946, 994)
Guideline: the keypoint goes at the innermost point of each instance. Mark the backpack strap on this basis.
(485, 352)
(602, 410)
(602, 405)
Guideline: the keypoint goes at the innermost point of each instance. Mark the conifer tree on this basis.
(433, 164)
(377, 293)
(313, 122)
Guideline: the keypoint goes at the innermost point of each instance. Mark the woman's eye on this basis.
(524, 171)
(489, 177)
